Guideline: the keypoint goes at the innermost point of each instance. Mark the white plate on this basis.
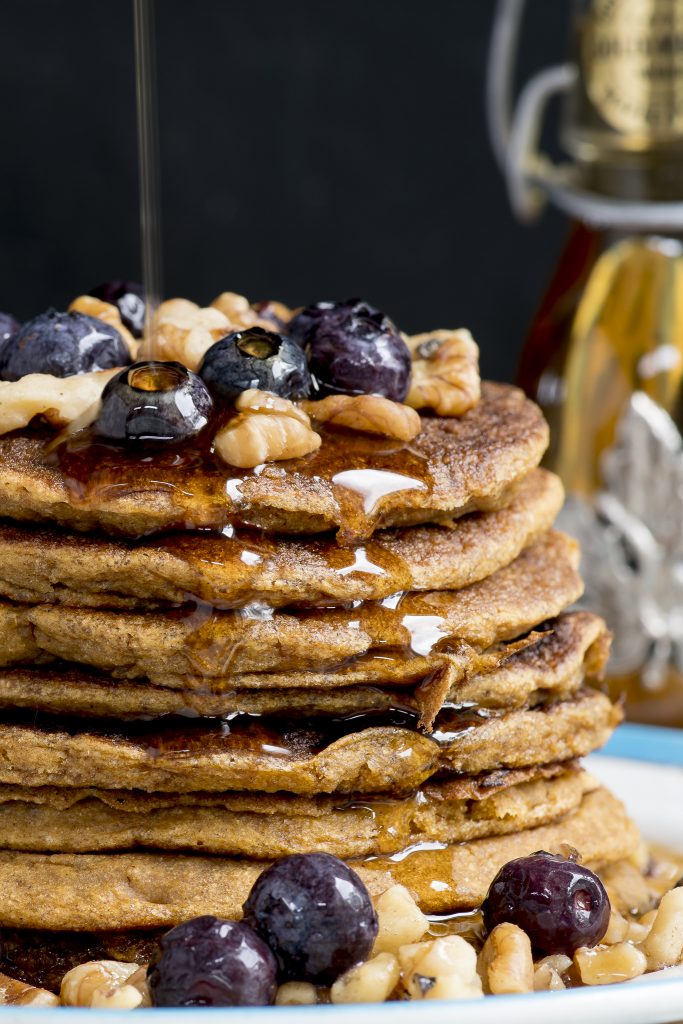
(643, 766)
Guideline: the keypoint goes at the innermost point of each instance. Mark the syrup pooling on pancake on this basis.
(258, 826)
(470, 463)
(357, 754)
(235, 567)
(202, 643)
(549, 662)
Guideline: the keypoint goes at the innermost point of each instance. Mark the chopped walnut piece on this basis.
(266, 429)
(664, 943)
(505, 962)
(548, 973)
(445, 373)
(370, 414)
(16, 993)
(59, 400)
(400, 920)
(444, 968)
(607, 965)
(109, 314)
(107, 984)
(184, 331)
(242, 315)
(370, 982)
(296, 993)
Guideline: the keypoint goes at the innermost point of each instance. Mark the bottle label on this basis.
(632, 56)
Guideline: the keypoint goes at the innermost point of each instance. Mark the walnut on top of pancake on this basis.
(260, 379)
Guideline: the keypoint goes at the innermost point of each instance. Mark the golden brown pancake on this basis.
(308, 757)
(453, 467)
(43, 565)
(262, 827)
(512, 675)
(109, 891)
(172, 649)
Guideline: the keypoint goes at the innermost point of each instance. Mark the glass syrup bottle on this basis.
(604, 356)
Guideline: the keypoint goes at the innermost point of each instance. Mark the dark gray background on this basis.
(309, 150)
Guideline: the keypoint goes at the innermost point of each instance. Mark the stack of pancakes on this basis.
(365, 652)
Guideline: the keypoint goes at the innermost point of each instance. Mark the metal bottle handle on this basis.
(532, 177)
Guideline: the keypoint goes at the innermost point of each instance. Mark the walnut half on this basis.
(369, 414)
(266, 429)
(445, 374)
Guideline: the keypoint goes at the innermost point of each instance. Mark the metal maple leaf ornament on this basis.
(632, 542)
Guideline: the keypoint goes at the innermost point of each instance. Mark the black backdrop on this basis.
(309, 150)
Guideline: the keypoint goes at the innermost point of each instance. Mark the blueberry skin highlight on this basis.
(315, 914)
(557, 902)
(210, 962)
(63, 345)
(153, 402)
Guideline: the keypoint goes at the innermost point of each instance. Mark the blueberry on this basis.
(130, 299)
(557, 902)
(256, 358)
(209, 962)
(8, 327)
(353, 349)
(62, 344)
(152, 401)
(315, 914)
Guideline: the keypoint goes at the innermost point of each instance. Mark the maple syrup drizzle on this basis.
(190, 734)
(359, 471)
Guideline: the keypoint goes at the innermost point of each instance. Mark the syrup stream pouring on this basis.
(148, 156)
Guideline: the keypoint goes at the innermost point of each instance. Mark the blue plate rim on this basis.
(652, 744)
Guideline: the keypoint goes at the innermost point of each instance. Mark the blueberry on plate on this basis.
(153, 402)
(130, 299)
(210, 962)
(315, 914)
(62, 344)
(557, 902)
(256, 358)
(353, 349)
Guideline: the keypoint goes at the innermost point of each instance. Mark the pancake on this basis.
(175, 649)
(554, 661)
(362, 754)
(454, 466)
(257, 826)
(49, 566)
(92, 892)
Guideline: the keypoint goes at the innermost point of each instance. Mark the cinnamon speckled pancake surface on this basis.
(108, 891)
(263, 826)
(47, 565)
(551, 662)
(400, 635)
(308, 757)
(454, 466)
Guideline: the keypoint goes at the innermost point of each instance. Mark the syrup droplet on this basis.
(374, 484)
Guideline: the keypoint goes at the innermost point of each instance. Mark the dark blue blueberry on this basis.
(557, 902)
(8, 327)
(353, 349)
(130, 299)
(209, 962)
(315, 914)
(256, 358)
(153, 402)
(63, 344)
